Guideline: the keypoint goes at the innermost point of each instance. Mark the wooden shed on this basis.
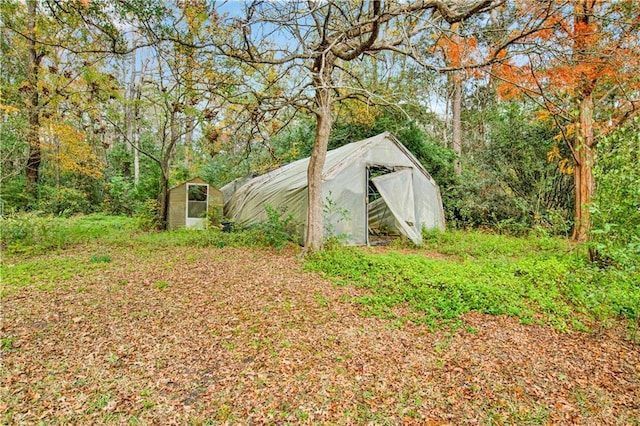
(191, 203)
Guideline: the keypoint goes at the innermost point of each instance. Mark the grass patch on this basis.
(161, 285)
(537, 280)
(33, 234)
(46, 272)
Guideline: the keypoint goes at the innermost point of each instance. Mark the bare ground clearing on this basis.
(245, 336)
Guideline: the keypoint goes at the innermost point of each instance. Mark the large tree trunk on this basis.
(583, 173)
(315, 221)
(33, 73)
(584, 141)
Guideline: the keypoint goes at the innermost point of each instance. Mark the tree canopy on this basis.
(511, 105)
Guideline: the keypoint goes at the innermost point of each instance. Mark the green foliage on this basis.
(121, 197)
(512, 182)
(6, 343)
(616, 206)
(104, 258)
(14, 153)
(46, 273)
(295, 142)
(147, 215)
(212, 237)
(333, 214)
(63, 201)
(33, 233)
(15, 197)
(161, 285)
(215, 216)
(277, 230)
(531, 278)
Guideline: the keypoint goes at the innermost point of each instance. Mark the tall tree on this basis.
(46, 35)
(181, 87)
(457, 52)
(583, 69)
(318, 40)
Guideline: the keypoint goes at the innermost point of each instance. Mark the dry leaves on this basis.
(239, 335)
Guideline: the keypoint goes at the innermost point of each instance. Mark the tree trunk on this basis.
(33, 73)
(583, 172)
(135, 118)
(584, 141)
(165, 166)
(456, 138)
(129, 117)
(136, 159)
(163, 199)
(315, 221)
(190, 124)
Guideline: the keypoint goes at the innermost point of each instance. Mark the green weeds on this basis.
(45, 272)
(33, 234)
(161, 285)
(537, 280)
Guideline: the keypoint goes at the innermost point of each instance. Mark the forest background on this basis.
(525, 113)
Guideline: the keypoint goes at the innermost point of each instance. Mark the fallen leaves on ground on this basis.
(245, 336)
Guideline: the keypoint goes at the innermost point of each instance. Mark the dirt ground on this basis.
(226, 336)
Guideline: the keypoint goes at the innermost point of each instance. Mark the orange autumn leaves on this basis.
(458, 51)
(590, 47)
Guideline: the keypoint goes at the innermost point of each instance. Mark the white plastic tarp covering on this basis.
(396, 190)
(410, 193)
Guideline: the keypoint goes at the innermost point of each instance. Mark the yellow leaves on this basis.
(8, 109)
(360, 114)
(565, 167)
(563, 163)
(553, 154)
(543, 115)
(70, 151)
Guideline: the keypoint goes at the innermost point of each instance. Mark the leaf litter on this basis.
(245, 336)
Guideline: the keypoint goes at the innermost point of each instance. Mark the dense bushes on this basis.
(513, 180)
(616, 207)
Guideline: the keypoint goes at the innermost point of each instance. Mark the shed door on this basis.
(396, 189)
(197, 205)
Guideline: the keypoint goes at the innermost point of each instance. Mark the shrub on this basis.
(15, 197)
(63, 201)
(277, 230)
(616, 206)
(147, 215)
(121, 197)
